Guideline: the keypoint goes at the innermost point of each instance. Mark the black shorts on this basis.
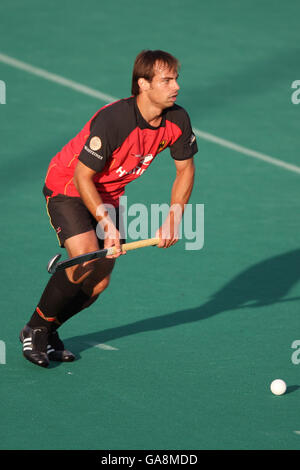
(69, 216)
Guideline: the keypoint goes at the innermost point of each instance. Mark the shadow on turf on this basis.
(265, 283)
(292, 388)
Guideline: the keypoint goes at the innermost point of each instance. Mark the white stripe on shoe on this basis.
(27, 344)
(50, 349)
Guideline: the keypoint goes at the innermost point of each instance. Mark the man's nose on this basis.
(177, 87)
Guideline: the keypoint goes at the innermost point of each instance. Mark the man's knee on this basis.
(94, 276)
(78, 273)
(90, 270)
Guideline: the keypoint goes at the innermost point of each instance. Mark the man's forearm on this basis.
(180, 195)
(182, 189)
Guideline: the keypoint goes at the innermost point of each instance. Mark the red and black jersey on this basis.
(120, 145)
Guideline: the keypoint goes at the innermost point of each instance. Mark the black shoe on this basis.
(56, 350)
(35, 342)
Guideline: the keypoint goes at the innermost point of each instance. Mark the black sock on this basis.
(57, 294)
(37, 321)
(74, 306)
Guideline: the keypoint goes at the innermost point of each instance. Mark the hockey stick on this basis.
(55, 265)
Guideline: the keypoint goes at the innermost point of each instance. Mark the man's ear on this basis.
(143, 84)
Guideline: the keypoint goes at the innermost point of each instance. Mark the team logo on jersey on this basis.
(161, 146)
(95, 143)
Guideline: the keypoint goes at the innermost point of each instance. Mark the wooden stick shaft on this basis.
(140, 244)
(134, 245)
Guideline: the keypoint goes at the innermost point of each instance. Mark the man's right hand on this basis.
(112, 238)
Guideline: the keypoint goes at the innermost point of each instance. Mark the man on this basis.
(115, 147)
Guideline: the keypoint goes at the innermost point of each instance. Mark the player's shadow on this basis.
(262, 284)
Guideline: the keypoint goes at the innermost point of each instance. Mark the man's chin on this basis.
(170, 103)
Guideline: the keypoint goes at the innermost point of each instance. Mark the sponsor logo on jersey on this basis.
(93, 153)
(144, 162)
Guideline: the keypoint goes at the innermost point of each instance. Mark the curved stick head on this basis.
(51, 268)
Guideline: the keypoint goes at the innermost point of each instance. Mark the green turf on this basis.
(193, 338)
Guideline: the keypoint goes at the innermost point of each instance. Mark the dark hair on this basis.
(144, 66)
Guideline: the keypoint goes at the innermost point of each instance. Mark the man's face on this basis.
(163, 89)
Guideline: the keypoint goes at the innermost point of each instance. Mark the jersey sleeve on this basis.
(186, 145)
(98, 146)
